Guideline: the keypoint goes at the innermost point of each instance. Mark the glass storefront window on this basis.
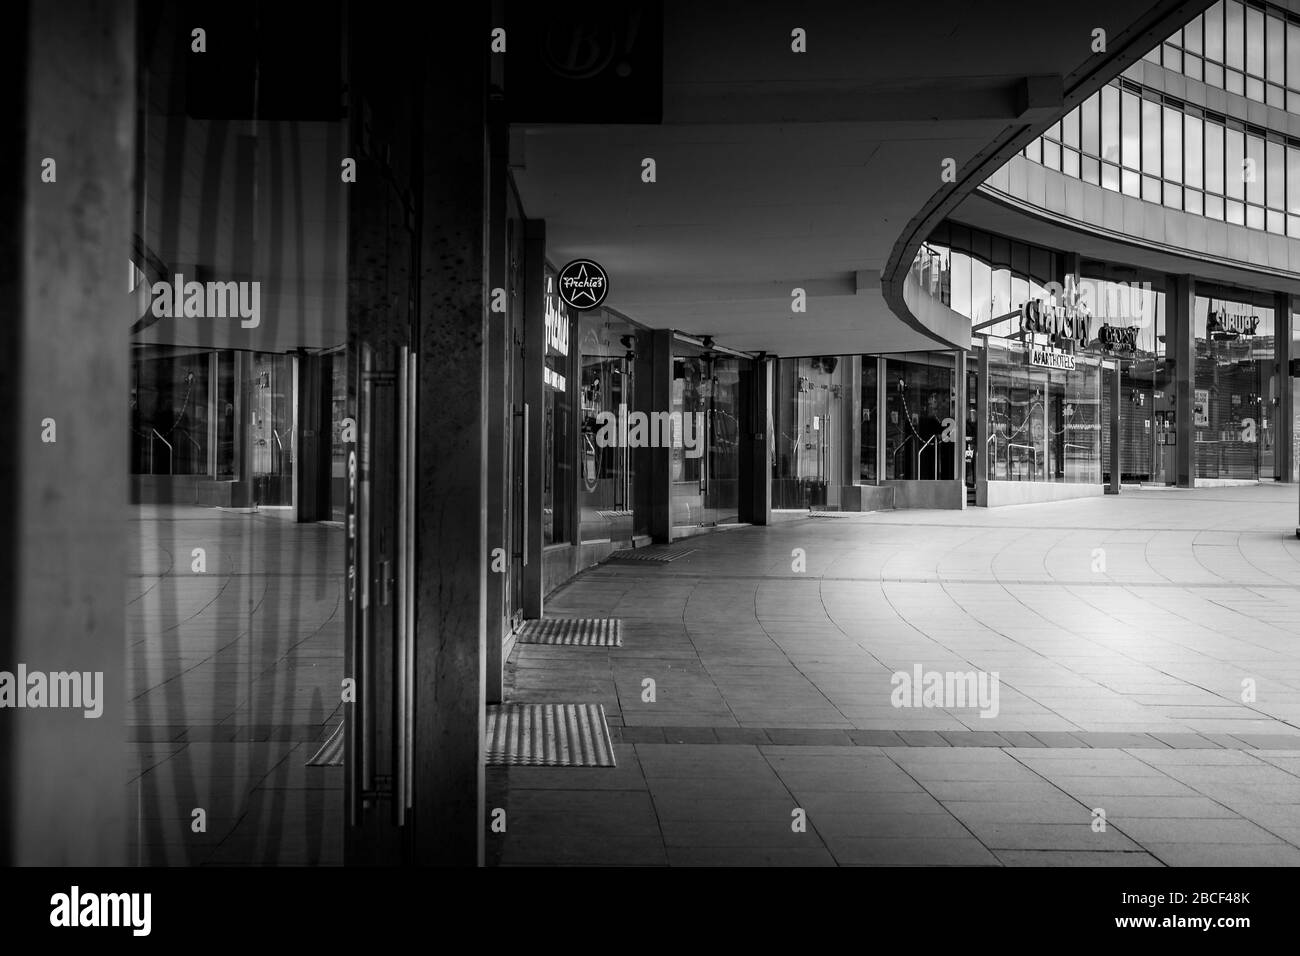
(809, 432)
(1043, 425)
(707, 411)
(919, 432)
(867, 469)
(606, 473)
(1232, 414)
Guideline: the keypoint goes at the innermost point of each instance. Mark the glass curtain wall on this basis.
(1138, 141)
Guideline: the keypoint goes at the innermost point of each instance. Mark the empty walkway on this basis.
(1147, 658)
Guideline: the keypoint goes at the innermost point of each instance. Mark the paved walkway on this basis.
(1147, 653)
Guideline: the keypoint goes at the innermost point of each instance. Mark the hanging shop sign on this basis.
(1059, 322)
(1201, 407)
(583, 285)
(1044, 357)
(1118, 338)
(1235, 323)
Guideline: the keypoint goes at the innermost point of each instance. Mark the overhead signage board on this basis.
(1043, 357)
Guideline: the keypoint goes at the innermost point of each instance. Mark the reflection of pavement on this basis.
(1121, 688)
(234, 683)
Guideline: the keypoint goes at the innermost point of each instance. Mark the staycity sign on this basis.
(1058, 322)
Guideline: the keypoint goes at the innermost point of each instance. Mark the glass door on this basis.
(270, 430)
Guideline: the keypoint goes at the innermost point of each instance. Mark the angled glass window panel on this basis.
(1275, 96)
(1034, 151)
(1213, 207)
(981, 290)
(1091, 121)
(1293, 180)
(1173, 58)
(1234, 164)
(1173, 145)
(1293, 106)
(1150, 189)
(1192, 146)
(1176, 38)
(960, 274)
(1131, 155)
(1234, 34)
(1275, 222)
(1213, 18)
(1054, 131)
(1254, 41)
(1173, 196)
(1051, 154)
(1091, 170)
(1234, 82)
(1110, 124)
(1275, 175)
(1132, 183)
(1293, 55)
(1255, 89)
(1293, 230)
(1254, 170)
(1151, 56)
(1275, 53)
(1070, 128)
(1110, 176)
(1070, 162)
(1192, 36)
(1213, 74)
(1213, 157)
(1019, 264)
(1194, 67)
(1040, 265)
(1234, 212)
(1195, 201)
(1254, 217)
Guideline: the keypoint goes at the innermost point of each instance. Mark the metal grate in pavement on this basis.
(331, 752)
(583, 631)
(548, 735)
(836, 514)
(652, 555)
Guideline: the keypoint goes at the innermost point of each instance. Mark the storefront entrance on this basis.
(706, 415)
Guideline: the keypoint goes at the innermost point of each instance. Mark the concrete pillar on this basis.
(959, 419)
(532, 417)
(1284, 411)
(69, 92)
(451, 458)
(1180, 344)
(1116, 440)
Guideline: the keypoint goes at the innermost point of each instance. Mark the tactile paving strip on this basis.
(548, 735)
(652, 555)
(583, 631)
